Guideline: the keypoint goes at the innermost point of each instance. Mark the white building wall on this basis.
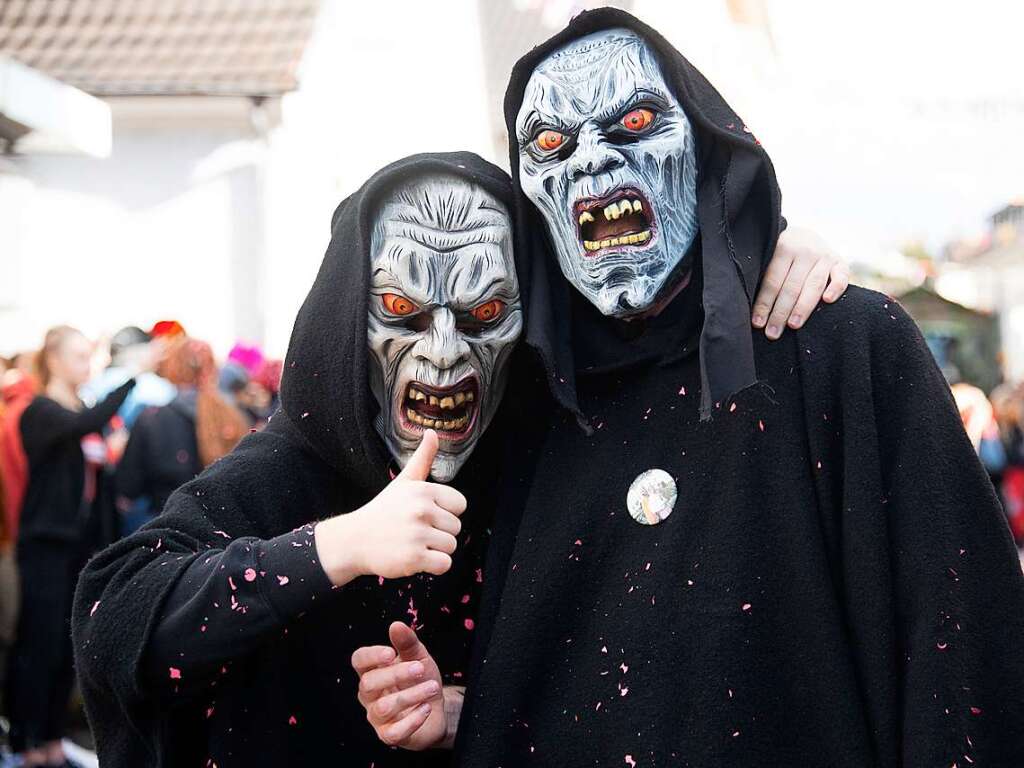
(218, 217)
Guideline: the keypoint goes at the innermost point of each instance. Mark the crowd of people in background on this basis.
(93, 439)
(995, 425)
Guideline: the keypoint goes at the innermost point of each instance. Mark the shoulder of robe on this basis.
(863, 325)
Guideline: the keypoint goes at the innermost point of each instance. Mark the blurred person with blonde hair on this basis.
(58, 531)
(170, 445)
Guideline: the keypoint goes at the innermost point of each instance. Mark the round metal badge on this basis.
(651, 497)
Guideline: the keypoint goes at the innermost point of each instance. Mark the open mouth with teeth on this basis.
(449, 410)
(621, 219)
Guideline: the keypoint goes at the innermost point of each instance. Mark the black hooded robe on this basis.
(835, 586)
(212, 636)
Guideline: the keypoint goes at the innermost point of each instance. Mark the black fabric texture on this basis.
(212, 635)
(739, 205)
(836, 585)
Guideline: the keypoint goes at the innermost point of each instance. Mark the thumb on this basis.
(404, 639)
(418, 466)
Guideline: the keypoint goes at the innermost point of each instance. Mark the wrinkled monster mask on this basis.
(444, 316)
(609, 158)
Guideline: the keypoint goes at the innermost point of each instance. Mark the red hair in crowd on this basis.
(219, 425)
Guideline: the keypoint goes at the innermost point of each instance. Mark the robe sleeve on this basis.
(923, 560)
(225, 604)
(233, 553)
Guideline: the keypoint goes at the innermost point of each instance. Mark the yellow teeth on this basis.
(640, 237)
(585, 217)
(460, 398)
(433, 400)
(447, 403)
(470, 397)
(415, 394)
(613, 211)
(442, 424)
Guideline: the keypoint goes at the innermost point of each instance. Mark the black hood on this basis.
(325, 388)
(738, 203)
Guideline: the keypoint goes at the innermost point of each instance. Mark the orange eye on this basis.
(397, 304)
(638, 119)
(549, 140)
(492, 310)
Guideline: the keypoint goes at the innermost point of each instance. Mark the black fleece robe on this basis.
(836, 585)
(212, 636)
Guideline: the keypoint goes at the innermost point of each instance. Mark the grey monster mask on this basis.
(444, 316)
(609, 159)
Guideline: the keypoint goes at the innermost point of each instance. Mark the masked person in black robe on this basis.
(221, 633)
(720, 551)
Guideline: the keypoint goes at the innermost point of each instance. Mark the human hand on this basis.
(400, 688)
(409, 527)
(803, 271)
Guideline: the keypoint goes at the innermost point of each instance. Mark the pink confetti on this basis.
(747, 607)
(222, 533)
(760, 425)
(682, 391)
(209, 713)
(94, 607)
(380, 579)
(292, 720)
(630, 761)
(975, 711)
(231, 583)
(479, 576)
(175, 673)
(469, 624)
(250, 574)
(413, 611)
(282, 580)
(735, 734)
(732, 408)
(624, 668)
(465, 599)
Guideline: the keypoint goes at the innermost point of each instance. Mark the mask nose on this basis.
(442, 346)
(593, 154)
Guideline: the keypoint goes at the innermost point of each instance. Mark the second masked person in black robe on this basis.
(720, 551)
